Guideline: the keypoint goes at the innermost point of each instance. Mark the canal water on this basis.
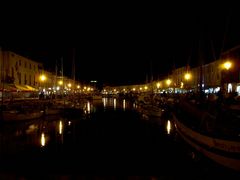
(109, 140)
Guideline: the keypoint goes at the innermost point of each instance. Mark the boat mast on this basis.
(2, 73)
(151, 80)
(200, 59)
(56, 74)
(62, 73)
(73, 66)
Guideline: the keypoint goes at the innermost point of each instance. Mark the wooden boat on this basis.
(14, 115)
(201, 130)
(52, 111)
(152, 110)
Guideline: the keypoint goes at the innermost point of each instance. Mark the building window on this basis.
(20, 62)
(25, 79)
(16, 66)
(12, 72)
(30, 80)
(19, 78)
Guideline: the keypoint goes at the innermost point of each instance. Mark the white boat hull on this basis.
(224, 152)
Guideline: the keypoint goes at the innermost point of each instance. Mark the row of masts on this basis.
(61, 71)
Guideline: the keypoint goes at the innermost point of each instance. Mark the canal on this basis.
(109, 138)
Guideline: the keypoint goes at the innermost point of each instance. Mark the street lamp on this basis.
(226, 66)
(42, 78)
(158, 86)
(60, 82)
(187, 77)
(168, 82)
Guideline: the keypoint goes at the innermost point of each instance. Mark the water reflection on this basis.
(60, 127)
(168, 127)
(104, 102)
(134, 105)
(114, 103)
(43, 140)
(89, 142)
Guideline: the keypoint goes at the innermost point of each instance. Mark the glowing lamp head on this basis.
(42, 77)
(187, 76)
(227, 65)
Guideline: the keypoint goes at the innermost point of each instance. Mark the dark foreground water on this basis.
(109, 141)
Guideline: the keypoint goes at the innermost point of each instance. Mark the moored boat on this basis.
(208, 135)
(20, 116)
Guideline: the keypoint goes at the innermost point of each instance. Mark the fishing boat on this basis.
(215, 136)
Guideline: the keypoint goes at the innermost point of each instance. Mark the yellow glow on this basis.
(60, 82)
(227, 65)
(187, 76)
(168, 82)
(145, 87)
(114, 103)
(181, 85)
(84, 87)
(133, 89)
(124, 89)
(158, 85)
(69, 84)
(124, 104)
(60, 127)
(104, 102)
(168, 127)
(88, 107)
(78, 86)
(114, 90)
(43, 141)
(42, 77)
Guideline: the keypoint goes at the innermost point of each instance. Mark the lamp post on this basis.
(158, 86)
(42, 79)
(226, 66)
(168, 82)
(187, 77)
(60, 83)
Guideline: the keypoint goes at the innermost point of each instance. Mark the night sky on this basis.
(126, 45)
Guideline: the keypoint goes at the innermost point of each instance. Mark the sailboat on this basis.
(214, 132)
(146, 102)
(217, 137)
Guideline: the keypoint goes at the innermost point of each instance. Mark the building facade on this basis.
(19, 70)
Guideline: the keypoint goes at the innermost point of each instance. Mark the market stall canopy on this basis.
(15, 87)
(21, 88)
(8, 87)
(30, 88)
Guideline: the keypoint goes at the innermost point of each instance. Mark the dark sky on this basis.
(124, 45)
